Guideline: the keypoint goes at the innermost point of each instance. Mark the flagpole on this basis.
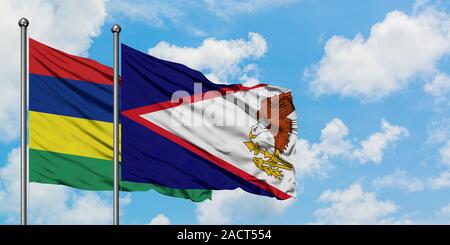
(116, 30)
(23, 23)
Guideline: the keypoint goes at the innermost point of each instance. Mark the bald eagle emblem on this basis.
(269, 137)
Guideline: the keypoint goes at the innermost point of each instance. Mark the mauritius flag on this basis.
(182, 131)
(70, 124)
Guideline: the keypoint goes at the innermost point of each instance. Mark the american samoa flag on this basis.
(182, 131)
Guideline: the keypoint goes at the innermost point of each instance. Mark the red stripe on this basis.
(47, 61)
(193, 98)
(134, 114)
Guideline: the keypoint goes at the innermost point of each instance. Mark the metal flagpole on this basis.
(116, 30)
(23, 23)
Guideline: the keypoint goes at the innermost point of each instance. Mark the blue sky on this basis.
(371, 87)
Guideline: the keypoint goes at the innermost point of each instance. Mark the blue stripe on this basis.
(151, 80)
(71, 98)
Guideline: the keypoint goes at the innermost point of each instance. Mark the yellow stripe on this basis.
(70, 135)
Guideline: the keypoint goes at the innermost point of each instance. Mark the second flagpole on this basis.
(116, 30)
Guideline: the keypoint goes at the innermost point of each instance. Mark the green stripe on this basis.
(92, 174)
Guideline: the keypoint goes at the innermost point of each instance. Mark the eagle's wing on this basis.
(286, 104)
(281, 126)
(282, 101)
(282, 137)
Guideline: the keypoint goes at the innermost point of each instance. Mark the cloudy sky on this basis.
(371, 83)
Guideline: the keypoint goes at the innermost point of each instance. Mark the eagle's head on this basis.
(261, 126)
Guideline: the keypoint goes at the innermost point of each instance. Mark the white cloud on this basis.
(396, 50)
(311, 160)
(373, 147)
(439, 134)
(439, 131)
(441, 181)
(439, 86)
(66, 25)
(445, 153)
(228, 8)
(178, 13)
(315, 158)
(160, 219)
(49, 204)
(229, 65)
(232, 206)
(77, 209)
(399, 179)
(333, 140)
(9, 183)
(444, 211)
(354, 206)
(154, 13)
